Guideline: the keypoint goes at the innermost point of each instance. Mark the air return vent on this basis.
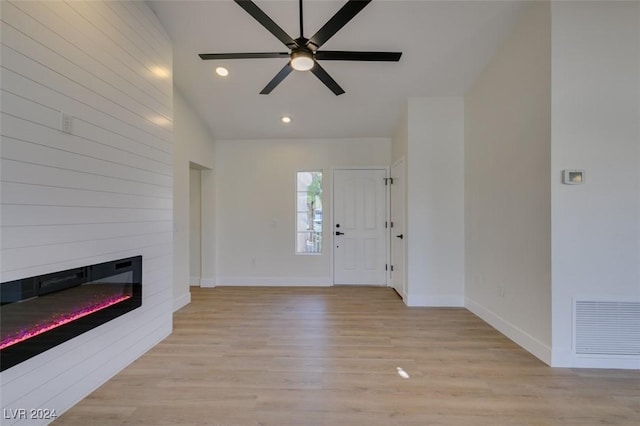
(607, 328)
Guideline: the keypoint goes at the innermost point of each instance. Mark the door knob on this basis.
(339, 233)
(401, 236)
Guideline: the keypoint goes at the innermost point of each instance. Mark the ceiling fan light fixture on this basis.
(302, 60)
(303, 52)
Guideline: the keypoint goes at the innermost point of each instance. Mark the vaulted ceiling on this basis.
(445, 45)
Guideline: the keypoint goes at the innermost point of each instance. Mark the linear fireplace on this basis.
(38, 313)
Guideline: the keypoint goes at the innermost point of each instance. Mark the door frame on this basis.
(400, 162)
(207, 225)
(195, 280)
(387, 211)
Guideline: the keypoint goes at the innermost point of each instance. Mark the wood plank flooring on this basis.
(329, 356)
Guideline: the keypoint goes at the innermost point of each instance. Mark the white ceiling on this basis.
(445, 45)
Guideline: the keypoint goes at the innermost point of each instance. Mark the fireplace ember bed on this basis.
(38, 313)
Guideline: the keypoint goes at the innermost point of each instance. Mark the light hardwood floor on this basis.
(329, 356)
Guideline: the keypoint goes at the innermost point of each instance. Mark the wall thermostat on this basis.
(573, 177)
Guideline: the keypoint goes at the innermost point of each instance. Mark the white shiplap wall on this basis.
(102, 192)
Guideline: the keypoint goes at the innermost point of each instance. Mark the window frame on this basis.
(297, 212)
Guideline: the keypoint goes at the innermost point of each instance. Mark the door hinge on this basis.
(392, 224)
(391, 268)
(385, 224)
(386, 267)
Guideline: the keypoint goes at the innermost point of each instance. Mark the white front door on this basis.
(397, 229)
(359, 235)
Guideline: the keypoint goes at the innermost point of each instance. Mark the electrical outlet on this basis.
(66, 123)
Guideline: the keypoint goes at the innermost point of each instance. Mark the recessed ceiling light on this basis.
(286, 119)
(222, 71)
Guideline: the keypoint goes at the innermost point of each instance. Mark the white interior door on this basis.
(397, 229)
(359, 214)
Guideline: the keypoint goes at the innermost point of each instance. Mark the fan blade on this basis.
(206, 56)
(338, 55)
(252, 9)
(277, 79)
(337, 21)
(319, 72)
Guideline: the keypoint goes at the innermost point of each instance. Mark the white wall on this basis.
(595, 116)
(255, 196)
(507, 185)
(101, 193)
(400, 141)
(435, 202)
(194, 145)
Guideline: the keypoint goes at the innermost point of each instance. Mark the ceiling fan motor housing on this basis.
(302, 59)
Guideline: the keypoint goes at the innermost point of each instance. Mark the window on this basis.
(309, 212)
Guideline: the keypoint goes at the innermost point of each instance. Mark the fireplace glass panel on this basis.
(38, 313)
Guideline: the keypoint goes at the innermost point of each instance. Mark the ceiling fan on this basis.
(303, 52)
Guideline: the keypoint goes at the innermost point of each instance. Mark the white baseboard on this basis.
(434, 300)
(517, 335)
(194, 281)
(276, 281)
(181, 301)
(568, 359)
(402, 295)
(207, 282)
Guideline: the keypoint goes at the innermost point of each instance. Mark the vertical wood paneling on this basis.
(100, 193)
